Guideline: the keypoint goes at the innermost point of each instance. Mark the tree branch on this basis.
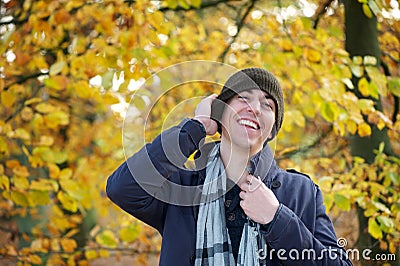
(240, 25)
(396, 108)
(22, 79)
(285, 29)
(19, 12)
(22, 104)
(321, 11)
(202, 6)
(397, 61)
(304, 149)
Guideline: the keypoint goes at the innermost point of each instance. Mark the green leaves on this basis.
(342, 202)
(386, 224)
(373, 188)
(329, 111)
(367, 11)
(374, 229)
(186, 4)
(138, 102)
(130, 233)
(56, 68)
(379, 225)
(394, 86)
(19, 198)
(49, 155)
(107, 239)
(38, 198)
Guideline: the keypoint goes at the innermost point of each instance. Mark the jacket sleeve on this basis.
(294, 244)
(141, 185)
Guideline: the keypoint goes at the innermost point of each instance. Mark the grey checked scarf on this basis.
(213, 245)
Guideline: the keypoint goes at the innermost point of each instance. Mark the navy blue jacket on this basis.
(154, 186)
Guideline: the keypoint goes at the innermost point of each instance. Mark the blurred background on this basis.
(72, 71)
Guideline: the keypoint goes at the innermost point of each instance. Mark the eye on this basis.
(242, 97)
(267, 105)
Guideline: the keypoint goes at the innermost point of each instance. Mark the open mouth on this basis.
(248, 123)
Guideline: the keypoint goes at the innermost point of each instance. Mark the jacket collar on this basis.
(263, 164)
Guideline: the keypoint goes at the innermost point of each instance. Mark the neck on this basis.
(235, 159)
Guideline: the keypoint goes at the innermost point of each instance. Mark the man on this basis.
(237, 207)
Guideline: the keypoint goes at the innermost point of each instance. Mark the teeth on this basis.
(248, 123)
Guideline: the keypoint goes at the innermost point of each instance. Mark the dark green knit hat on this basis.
(247, 79)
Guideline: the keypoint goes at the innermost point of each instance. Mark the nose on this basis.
(254, 107)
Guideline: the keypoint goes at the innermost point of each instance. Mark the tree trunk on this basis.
(362, 39)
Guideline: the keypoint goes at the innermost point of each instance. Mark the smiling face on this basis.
(248, 119)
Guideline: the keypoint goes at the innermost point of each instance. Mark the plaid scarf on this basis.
(213, 245)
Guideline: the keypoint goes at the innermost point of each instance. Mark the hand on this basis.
(203, 113)
(258, 201)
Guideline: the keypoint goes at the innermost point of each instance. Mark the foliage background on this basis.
(69, 70)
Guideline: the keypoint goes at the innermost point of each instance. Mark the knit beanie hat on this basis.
(247, 79)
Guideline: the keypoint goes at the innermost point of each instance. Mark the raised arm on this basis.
(145, 183)
(142, 185)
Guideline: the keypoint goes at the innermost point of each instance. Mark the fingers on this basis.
(244, 185)
(251, 180)
(213, 96)
(260, 205)
(203, 109)
(203, 113)
(209, 99)
(242, 195)
(252, 183)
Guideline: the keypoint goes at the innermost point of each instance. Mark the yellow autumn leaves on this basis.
(379, 205)
(59, 138)
(26, 192)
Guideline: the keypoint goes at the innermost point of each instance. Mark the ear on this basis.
(272, 134)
